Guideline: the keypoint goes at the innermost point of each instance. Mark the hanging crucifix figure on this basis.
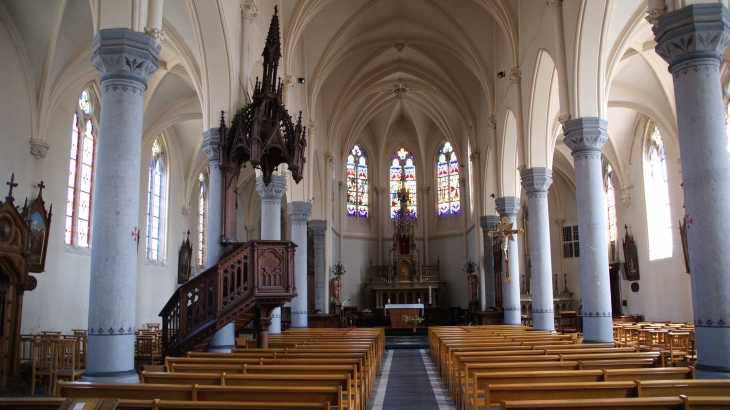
(504, 232)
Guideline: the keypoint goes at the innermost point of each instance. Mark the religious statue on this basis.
(504, 232)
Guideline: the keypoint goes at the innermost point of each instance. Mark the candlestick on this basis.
(429, 295)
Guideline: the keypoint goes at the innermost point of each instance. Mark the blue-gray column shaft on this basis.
(225, 338)
(703, 29)
(124, 59)
(271, 224)
(318, 227)
(488, 223)
(536, 182)
(299, 212)
(585, 137)
(508, 207)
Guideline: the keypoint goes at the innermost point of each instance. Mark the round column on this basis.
(508, 207)
(536, 182)
(585, 137)
(319, 228)
(488, 223)
(125, 59)
(271, 224)
(299, 212)
(703, 28)
(225, 338)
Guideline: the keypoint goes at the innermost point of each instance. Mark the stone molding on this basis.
(111, 331)
(123, 54)
(157, 34)
(299, 211)
(273, 192)
(654, 14)
(329, 160)
(508, 206)
(554, 3)
(186, 209)
(249, 11)
(423, 188)
(536, 180)
(380, 190)
(564, 118)
(598, 314)
(488, 222)
(515, 75)
(626, 195)
(474, 157)
(211, 141)
(711, 323)
(695, 31)
(492, 122)
(39, 148)
(318, 227)
(585, 136)
(542, 311)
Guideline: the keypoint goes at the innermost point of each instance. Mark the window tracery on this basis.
(155, 211)
(447, 166)
(657, 197)
(357, 183)
(201, 219)
(402, 164)
(610, 192)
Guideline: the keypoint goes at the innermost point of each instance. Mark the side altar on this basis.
(405, 280)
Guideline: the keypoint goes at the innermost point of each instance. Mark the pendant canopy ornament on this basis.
(262, 132)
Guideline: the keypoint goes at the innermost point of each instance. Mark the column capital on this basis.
(211, 141)
(488, 222)
(329, 160)
(311, 127)
(508, 206)
(287, 82)
(186, 208)
(560, 221)
(554, 3)
(341, 184)
(536, 180)
(492, 122)
(380, 190)
(424, 187)
(123, 54)
(39, 148)
(275, 190)
(698, 31)
(249, 11)
(318, 227)
(585, 136)
(515, 75)
(474, 157)
(299, 211)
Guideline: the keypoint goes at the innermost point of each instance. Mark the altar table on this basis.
(397, 313)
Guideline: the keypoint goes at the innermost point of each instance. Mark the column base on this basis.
(224, 339)
(543, 321)
(275, 327)
(512, 316)
(110, 359)
(299, 320)
(598, 329)
(713, 356)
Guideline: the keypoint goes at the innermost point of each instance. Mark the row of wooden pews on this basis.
(509, 367)
(305, 369)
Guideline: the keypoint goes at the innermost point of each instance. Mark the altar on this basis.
(398, 313)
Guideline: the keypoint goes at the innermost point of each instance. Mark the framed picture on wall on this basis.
(631, 257)
(39, 222)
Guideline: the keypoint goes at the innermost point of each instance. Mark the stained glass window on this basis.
(402, 164)
(201, 221)
(154, 203)
(79, 196)
(657, 198)
(447, 166)
(610, 210)
(357, 183)
(727, 124)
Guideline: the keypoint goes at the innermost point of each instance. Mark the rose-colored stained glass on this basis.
(356, 170)
(402, 164)
(448, 181)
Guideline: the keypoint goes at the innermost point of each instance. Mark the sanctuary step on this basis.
(406, 339)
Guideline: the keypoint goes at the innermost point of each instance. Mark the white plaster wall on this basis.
(357, 254)
(450, 252)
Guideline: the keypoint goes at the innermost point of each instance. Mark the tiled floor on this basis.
(408, 380)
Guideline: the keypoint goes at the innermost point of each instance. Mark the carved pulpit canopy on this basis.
(262, 132)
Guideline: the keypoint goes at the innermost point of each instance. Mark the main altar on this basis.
(405, 279)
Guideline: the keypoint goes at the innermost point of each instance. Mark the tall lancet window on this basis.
(79, 197)
(610, 211)
(402, 171)
(201, 219)
(727, 124)
(447, 166)
(357, 183)
(155, 205)
(657, 197)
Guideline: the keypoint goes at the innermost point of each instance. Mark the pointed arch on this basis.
(402, 167)
(656, 189)
(357, 179)
(156, 200)
(447, 181)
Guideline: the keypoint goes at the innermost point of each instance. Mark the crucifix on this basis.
(504, 232)
(12, 185)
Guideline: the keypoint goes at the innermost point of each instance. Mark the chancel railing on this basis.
(255, 274)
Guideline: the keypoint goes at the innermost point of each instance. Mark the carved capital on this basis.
(299, 211)
(424, 188)
(211, 141)
(249, 11)
(186, 209)
(318, 227)
(626, 195)
(554, 3)
(311, 128)
(39, 148)
(515, 75)
(157, 34)
(488, 222)
(585, 135)
(341, 184)
(474, 157)
(653, 14)
(560, 221)
(536, 180)
(564, 118)
(508, 206)
(329, 159)
(492, 122)
(699, 31)
(274, 191)
(379, 190)
(287, 82)
(123, 54)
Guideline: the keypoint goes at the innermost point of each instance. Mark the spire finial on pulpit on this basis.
(41, 186)
(12, 185)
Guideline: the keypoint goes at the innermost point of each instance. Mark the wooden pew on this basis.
(54, 403)
(212, 379)
(644, 403)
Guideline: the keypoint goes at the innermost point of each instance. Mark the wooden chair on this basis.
(43, 363)
(146, 351)
(66, 361)
(679, 346)
(568, 321)
(152, 326)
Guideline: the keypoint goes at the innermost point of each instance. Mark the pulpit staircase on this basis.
(249, 280)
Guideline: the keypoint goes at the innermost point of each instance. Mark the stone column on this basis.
(561, 60)
(113, 284)
(536, 182)
(426, 199)
(584, 137)
(299, 212)
(154, 21)
(271, 224)
(225, 338)
(249, 11)
(508, 207)
(380, 217)
(329, 212)
(692, 40)
(319, 228)
(490, 294)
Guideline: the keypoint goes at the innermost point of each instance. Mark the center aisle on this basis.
(408, 380)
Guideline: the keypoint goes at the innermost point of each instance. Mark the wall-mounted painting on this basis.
(39, 222)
